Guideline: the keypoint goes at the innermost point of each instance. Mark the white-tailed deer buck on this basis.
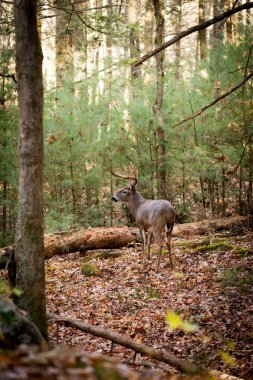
(152, 216)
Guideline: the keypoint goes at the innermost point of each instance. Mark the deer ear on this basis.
(132, 188)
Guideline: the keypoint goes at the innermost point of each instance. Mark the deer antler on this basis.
(125, 177)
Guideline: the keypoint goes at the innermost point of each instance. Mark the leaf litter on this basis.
(133, 300)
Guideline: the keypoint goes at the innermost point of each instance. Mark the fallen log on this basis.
(117, 237)
(81, 240)
(106, 254)
(205, 227)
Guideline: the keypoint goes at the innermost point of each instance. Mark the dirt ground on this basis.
(210, 287)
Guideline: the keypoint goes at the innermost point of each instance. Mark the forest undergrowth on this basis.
(210, 286)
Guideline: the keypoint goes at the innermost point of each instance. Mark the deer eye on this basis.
(125, 192)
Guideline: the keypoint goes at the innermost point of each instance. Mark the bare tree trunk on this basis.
(64, 46)
(157, 108)
(29, 240)
(178, 21)
(229, 25)
(240, 191)
(108, 77)
(148, 26)
(4, 174)
(248, 16)
(218, 8)
(250, 186)
(134, 40)
(72, 177)
(202, 33)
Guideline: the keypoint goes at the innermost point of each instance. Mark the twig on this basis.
(233, 89)
(12, 76)
(240, 68)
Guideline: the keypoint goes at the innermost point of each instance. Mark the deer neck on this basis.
(135, 202)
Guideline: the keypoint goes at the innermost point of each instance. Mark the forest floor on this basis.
(210, 287)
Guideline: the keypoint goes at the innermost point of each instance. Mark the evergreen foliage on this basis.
(90, 130)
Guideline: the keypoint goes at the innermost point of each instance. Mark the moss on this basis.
(193, 243)
(241, 250)
(222, 246)
(4, 287)
(89, 270)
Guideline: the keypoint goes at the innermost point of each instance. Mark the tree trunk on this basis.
(248, 16)
(64, 46)
(108, 77)
(134, 40)
(178, 21)
(250, 180)
(4, 169)
(148, 26)
(157, 108)
(202, 33)
(29, 252)
(229, 25)
(240, 191)
(217, 9)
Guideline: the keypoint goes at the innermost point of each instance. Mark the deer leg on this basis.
(149, 241)
(168, 243)
(143, 238)
(158, 241)
(158, 257)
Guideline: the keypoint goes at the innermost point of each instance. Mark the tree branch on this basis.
(161, 355)
(193, 29)
(214, 101)
(12, 76)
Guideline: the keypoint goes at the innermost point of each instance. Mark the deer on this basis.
(152, 217)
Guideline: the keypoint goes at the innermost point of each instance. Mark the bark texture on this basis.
(29, 252)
